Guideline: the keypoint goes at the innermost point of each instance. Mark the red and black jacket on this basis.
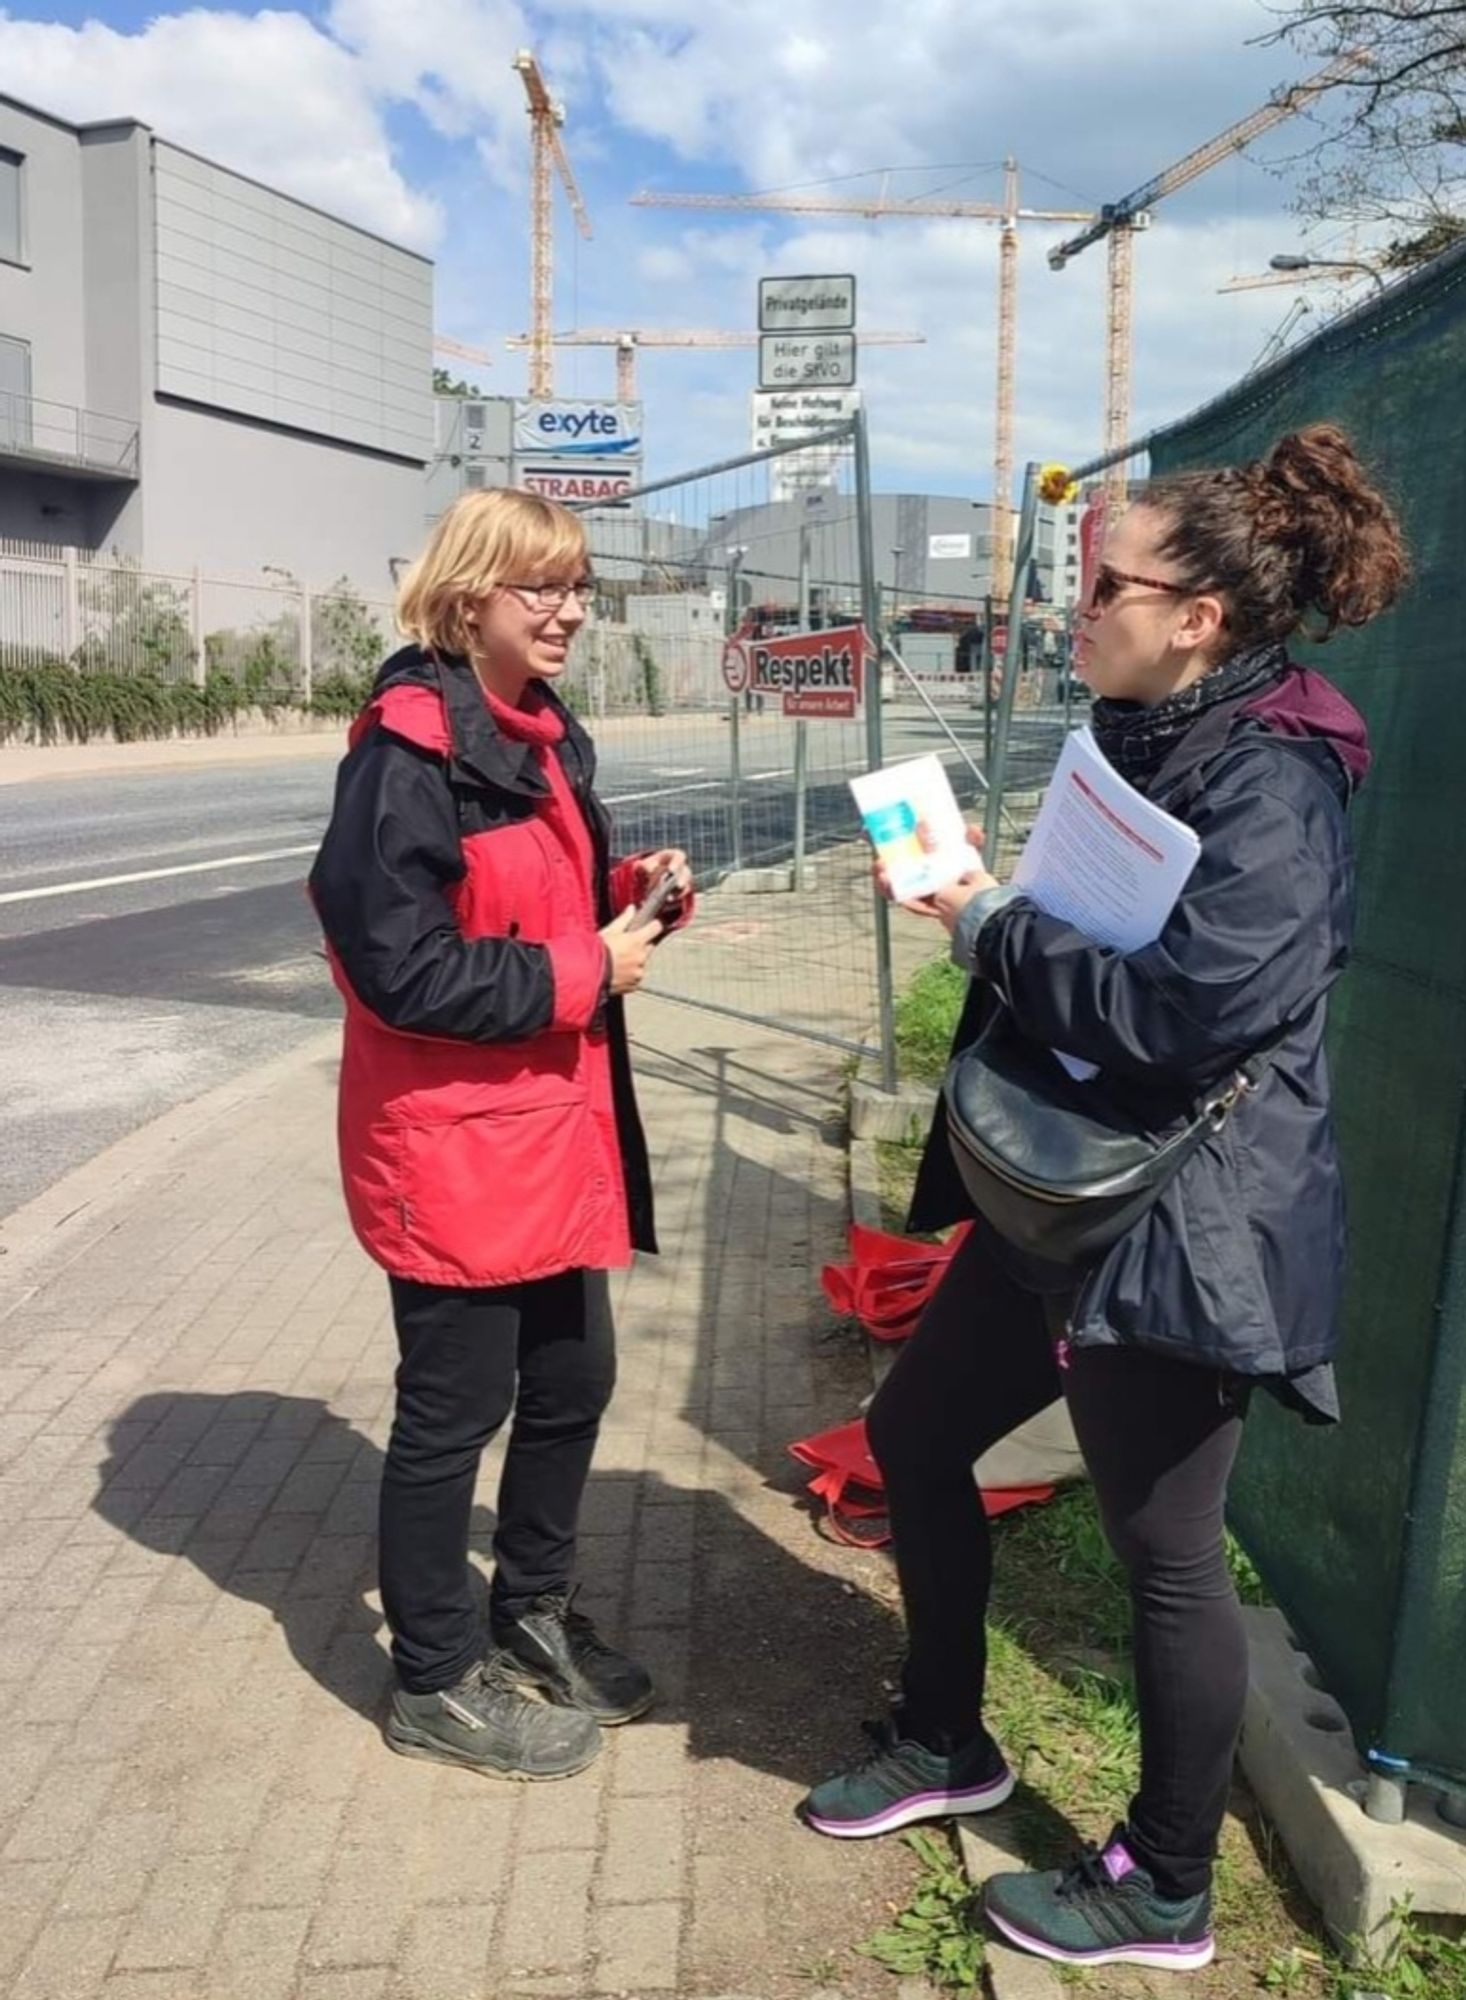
(488, 1125)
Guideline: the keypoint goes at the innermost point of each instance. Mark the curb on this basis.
(69, 1217)
(1306, 1774)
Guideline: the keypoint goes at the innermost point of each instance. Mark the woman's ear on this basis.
(1201, 627)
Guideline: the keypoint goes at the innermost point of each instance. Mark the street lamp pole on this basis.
(1288, 261)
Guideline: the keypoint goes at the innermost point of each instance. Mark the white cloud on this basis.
(267, 94)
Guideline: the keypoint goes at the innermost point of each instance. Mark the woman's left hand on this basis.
(947, 903)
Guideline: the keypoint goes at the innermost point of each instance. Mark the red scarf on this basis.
(535, 722)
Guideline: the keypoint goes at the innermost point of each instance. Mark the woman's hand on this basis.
(947, 903)
(651, 867)
(629, 950)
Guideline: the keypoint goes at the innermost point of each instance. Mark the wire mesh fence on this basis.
(756, 793)
(268, 634)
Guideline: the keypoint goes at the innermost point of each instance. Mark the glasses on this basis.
(1109, 582)
(553, 596)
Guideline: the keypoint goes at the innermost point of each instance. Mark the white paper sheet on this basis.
(1103, 858)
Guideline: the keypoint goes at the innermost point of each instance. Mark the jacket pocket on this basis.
(506, 1193)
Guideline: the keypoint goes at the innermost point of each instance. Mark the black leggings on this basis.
(1159, 1437)
(546, 1350)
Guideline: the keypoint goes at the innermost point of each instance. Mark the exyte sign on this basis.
(578, 430)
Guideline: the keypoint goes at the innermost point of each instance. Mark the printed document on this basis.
(898, 804)
(1103, 858)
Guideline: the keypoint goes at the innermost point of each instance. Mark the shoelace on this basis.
(1085, 1878)
(581, 1637)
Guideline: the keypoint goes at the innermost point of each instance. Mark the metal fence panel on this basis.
(760, 800)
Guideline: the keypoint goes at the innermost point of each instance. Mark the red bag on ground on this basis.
(888, 1280)
(849, 1482)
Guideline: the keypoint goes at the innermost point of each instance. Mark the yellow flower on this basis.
(1055, 486)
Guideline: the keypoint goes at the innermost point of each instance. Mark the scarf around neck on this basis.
(1137, 740)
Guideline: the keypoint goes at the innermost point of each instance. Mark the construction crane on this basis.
(1008, 215)
(627, 340)
(1119, 222)
(1310, 274)
(443, 345)
(546, 118)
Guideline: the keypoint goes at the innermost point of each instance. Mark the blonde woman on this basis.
(483, 941)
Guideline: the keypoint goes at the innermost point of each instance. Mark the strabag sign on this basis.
(819, 674)
(578, 430)
(578, 481)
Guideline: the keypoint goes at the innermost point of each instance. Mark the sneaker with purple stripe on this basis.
(1105, 1910)
(903, 1781)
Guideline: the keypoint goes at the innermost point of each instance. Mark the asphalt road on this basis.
(155, 939)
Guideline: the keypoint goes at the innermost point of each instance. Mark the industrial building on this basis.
(199, 372)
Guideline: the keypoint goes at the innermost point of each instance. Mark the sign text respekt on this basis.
(813, 673)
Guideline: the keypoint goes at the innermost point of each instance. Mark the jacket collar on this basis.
(482, 753)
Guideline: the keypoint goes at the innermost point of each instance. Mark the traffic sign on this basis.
(806, 361)
(806, 305)
(781, 415)
(814, 674)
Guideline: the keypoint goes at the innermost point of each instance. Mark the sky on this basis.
(407, 117)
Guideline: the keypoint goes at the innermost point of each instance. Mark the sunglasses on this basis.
(1108, 584)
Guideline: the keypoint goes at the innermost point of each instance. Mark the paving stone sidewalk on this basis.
(195, 1388)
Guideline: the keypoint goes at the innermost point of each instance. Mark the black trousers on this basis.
(1159, 1437)
(544, 1350)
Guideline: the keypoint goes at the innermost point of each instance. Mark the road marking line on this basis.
(664, 792)
(157, 874)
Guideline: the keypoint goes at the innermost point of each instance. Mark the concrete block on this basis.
(902, 1116)
(989, 1846)
(778, 880)
(1309, 1779)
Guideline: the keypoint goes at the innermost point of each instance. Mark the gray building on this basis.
(198, 371)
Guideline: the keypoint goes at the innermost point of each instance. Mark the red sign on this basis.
(577, 482)
(813, 673)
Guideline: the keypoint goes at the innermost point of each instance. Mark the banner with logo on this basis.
(814, 674)
(561, 430)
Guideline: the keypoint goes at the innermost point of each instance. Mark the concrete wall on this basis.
(271, 309)
(230, 495)
(43, 302)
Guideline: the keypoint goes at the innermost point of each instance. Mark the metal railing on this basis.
(63, 434)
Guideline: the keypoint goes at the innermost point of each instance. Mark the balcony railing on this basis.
(59, 435)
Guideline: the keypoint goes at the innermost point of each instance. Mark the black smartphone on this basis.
(662, 891)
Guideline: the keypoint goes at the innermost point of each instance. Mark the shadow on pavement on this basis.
(273, 1499)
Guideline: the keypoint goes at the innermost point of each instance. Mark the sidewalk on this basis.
(294, 739)
(195, 1388)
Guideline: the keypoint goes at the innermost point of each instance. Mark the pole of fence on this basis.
(988, 656)
(70, 604)
(1012, 661)
(801, 743)
(200, 669)
(871, 611)
(735, 748)
(305, 646)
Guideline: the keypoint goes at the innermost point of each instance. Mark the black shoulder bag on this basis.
(1054, 1165)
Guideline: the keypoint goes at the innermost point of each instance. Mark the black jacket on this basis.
(1240, 1263)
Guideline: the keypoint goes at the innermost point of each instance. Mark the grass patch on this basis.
(926, 1020)
(938, 1936)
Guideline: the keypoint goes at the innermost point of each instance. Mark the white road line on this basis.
(664, 792)
(157, 874)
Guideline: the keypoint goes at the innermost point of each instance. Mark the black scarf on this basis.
(1138, 740)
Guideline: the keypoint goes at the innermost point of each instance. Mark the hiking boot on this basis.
(903, 1781)
(1102, 1911)
(487, 1724)
(558, 1650)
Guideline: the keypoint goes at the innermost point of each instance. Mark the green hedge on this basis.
(44, 700)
